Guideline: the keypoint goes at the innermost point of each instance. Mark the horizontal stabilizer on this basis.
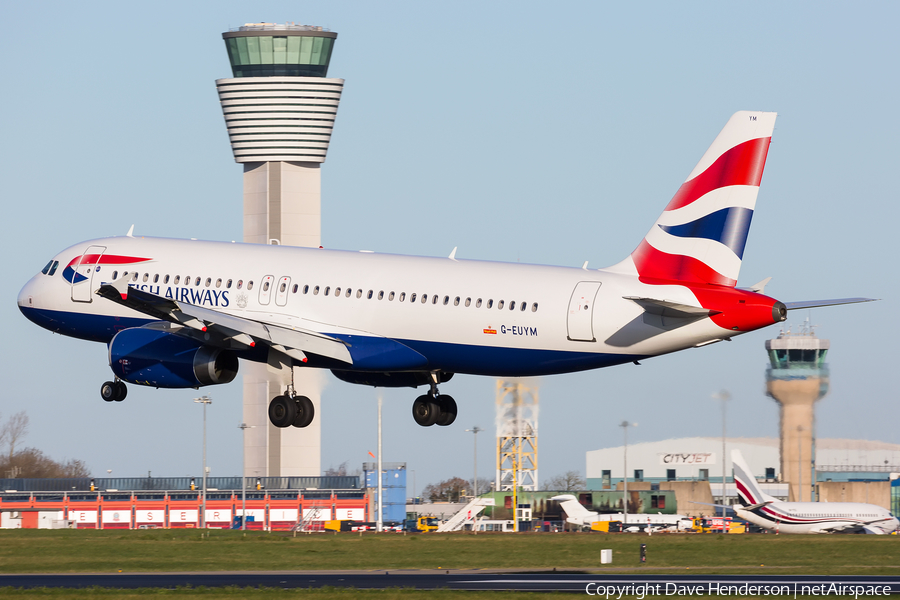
(669, 308)
(817, 303)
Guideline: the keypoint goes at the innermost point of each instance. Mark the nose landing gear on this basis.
(434, 408)
(113, 391)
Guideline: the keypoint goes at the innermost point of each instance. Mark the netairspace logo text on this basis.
(641, 591)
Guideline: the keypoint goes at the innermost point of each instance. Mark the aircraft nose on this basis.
(26, 296)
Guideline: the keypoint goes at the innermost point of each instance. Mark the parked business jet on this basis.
(181, 313)
(805, 517)
(577, 514)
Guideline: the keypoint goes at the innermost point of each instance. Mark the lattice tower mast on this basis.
(517, 434)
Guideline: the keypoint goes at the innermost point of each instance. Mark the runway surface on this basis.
(593, 584)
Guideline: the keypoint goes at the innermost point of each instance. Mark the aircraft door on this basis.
(83, 274)
(581, 312)
(265, 289)
(281, 294)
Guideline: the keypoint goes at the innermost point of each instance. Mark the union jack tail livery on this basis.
(700, 236)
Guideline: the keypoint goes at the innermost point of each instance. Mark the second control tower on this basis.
(279, 109)
(796, 378)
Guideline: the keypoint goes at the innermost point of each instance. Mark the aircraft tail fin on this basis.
(749, 492)
(572, 507)
(700, 236)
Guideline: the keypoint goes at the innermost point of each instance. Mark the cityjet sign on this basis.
(687, 458)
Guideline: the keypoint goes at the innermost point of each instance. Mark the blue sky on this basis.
(538, 132)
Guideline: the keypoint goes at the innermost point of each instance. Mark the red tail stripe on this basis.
(653, 264)
(741, 165)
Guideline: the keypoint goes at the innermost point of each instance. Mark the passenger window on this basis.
(522, 307)
(434, 299)
(316, 291)
(369, 295)
(240, 283)
(135, 276)
(166, 279)
(456, 301)
(478, 303)
(146, 277)
(337, 292)
(424, 298)
(228, 284)
(266, 286)
(219, 282)
(115, 275)
(305, 289)
(177, 279)
(295, 288)
(327, 289)
(490, 303)
(208, 281)
(412, 298)
(197, 281)
(534, 307)
(380, 295)
(468, 302)
(282, 287)
(512, 305)
(156, 278)
(447, 300)
(390, 296)
(348, 293)
(250, 285)
(500, 305)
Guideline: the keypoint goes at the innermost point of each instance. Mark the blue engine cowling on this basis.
(166, 360)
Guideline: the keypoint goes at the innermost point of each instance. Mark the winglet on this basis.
(453, 254)
(130, 231)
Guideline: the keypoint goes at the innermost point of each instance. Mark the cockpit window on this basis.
(53, 268)
(46, 269)
(50, 269)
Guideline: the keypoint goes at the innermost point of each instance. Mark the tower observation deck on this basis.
(796, 378)
(279, 108)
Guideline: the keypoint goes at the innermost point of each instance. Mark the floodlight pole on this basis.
(475, 431)
(204, 400)
(379, 521)
(625, 425)
(244, 427)
(724, 396)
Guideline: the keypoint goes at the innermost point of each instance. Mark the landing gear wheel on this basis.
(282, 411)
(305, 412)
(121, 391)
(448, 410)
(108, 391)
(425, 411)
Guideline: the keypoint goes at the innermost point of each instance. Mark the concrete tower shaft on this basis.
(279, 110)
(796, 378)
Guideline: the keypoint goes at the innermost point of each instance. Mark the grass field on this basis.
(40, 551)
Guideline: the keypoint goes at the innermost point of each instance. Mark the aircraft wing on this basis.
(248, 332)
(817, 303)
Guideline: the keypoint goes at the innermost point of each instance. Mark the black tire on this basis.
(108, 391)
(306, 412)
(282, 411)
(425, 411)
(121, 391)
(448, 410)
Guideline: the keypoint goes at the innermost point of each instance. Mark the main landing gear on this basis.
(113, 391)
(290, 410)
(434, 408)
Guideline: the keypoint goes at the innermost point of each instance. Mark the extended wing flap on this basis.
(293, 342)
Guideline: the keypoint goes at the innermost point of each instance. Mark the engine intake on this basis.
(162, 359)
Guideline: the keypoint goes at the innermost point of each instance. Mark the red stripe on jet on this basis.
(741, 165)
(654, 266)
(106, 259)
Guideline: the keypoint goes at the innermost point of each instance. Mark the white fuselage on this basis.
(820, 517)
(463, 316)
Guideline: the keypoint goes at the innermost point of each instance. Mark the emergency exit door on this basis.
(83, 276)
(581, 311)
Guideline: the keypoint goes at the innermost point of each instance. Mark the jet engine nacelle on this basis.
(166, 360)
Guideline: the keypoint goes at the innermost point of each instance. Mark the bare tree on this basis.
(567, 482)
(449, 490)
(13, 431)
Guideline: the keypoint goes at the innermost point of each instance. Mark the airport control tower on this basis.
(279, 109)
(796, 378)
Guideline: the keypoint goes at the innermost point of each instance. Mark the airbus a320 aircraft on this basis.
(805, 517)
(181, 313)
